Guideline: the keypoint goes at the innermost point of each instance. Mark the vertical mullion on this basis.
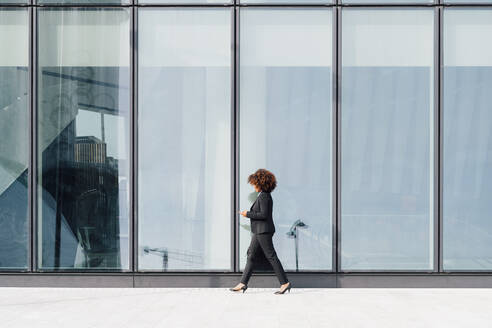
(436, 134)
(33, 139)
(334, 139)
(133, 235)
(338, 118)
(235, 148)
(440, 139)
(30, 138)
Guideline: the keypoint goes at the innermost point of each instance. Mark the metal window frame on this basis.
(133, 210)
(33, 268)
(335, 126)
(34, 140)
(460, 6)
(32, 131)
(236, 249)
(338, 142)
(437, 206)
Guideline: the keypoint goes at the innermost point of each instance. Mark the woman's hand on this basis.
(243, 213)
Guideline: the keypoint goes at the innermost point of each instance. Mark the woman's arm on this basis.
(263, 213)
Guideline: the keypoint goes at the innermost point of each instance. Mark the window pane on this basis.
(13, 1)
(83, 131)
(95, 2)
(467, 117)
(184, 139)
(184, 1)
(14, 138)
(467, 1)
(387, 139)
(287, 1)
(285, 127)
(387, 1)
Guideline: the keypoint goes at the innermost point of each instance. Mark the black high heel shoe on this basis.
(243, 288)
(278, 292)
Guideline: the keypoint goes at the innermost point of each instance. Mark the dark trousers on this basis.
(259, 242)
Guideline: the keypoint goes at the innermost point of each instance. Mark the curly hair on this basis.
(263, 179)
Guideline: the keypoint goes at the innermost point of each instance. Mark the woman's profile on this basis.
(262, 229)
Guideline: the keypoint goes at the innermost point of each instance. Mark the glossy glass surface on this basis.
(191, 2)
(83, 2)
(387, 139)
(287, 2)
(467, 148)
(286, 127)
(468, 1)
(83, 138)
(13, 2)
(184, 139)
(14, 138)
(395, 2)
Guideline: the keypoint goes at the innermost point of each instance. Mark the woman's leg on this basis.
(254, 247)
(266, 244)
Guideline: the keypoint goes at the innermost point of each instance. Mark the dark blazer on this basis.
(260, 214)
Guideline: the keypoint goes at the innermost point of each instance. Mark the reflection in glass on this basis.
(205, 2)
(84, 2)
(13, 1)
(285, 126)
(387, 1)
(387, 138)
(467, 1)
(301, 2)
(467, 148)
(14, 138)
(83, 138)
(184, 177)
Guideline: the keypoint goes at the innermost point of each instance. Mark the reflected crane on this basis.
(176, 254)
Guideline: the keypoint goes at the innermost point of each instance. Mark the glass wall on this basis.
(184, 139)
(387, 138)
(83, 138)
(14, 138)
(285, 126)
(147, 117)
(467, 148)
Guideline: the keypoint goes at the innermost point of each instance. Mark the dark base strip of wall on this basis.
(300, 280)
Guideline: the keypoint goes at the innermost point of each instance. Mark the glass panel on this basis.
(467, 118)
(14, 138)
(285, 127)
(83, 131)
(185, 1)
(13, 1)
(387, 139)
(386, 1)
(184, 139)
(467, 1)
(95, 2)
(287, 1)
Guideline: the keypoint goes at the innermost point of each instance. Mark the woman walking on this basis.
(262, 229)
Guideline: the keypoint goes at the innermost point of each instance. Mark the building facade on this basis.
(128, 131)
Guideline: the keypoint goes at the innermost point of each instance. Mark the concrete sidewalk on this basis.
(258, 307)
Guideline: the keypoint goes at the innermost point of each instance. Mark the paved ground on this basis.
(258, 307)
